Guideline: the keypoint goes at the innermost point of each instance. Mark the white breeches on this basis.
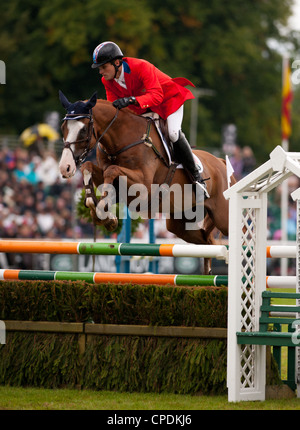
(174, 122)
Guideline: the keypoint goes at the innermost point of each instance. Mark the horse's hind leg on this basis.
(202, 236)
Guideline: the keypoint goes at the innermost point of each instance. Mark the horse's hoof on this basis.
(95, 219)
(89, 203)
(111, 224)
(102, 210)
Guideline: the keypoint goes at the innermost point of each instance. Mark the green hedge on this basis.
(123, 363)
(177, 365)
(69, 301)
(40, 360)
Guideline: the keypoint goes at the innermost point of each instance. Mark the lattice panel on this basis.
(249, 238)
(247, 366)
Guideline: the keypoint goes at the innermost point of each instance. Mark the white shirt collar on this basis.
(121, 79)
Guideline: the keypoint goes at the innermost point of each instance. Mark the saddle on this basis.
(162, 129)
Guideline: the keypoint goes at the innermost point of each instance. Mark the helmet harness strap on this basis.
(116, 67)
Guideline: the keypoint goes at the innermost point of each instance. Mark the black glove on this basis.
(124, 102)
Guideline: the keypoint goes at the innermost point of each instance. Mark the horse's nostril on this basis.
(68, 168)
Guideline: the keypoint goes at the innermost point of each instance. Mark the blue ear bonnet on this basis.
(78, 110)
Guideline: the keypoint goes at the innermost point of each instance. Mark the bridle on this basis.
(87, 149)
(91, 132)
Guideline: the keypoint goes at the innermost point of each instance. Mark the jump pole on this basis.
(134, 278)
(99, 248)
(118, 278)
(219, 252)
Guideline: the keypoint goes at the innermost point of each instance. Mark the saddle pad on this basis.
(155, 117)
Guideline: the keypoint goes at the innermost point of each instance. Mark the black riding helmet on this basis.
(106, 52)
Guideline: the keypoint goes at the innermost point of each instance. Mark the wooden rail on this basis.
(116, 329)
(86, 330)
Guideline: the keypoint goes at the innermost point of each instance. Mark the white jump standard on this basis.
(246, 364)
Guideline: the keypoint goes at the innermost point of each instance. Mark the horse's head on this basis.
(77, 130)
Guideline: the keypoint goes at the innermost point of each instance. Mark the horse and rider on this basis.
(139, 85)
(128, 146)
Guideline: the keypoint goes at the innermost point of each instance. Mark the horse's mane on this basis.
(103, 101)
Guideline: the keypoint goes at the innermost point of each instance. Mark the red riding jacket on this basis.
(153, 89)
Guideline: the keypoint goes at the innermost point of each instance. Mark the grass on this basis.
(18, 398)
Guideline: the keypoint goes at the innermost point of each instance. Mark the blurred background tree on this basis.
(226, 48)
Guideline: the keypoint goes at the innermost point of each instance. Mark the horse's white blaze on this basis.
(67, 164)
(74, 128)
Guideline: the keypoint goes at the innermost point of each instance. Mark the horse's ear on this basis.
(92, 101)
(63, 99)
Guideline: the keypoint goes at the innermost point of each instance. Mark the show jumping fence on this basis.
(246, 364)
(246, 256)
(219, 252)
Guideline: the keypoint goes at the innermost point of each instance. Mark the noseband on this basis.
(67, 145)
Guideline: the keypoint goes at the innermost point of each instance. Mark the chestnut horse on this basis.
(129, 146)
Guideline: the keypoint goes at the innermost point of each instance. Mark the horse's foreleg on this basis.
(103, 208)
(92, 176)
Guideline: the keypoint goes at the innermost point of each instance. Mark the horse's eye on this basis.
(83, 131)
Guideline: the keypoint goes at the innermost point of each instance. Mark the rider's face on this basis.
(108, 71)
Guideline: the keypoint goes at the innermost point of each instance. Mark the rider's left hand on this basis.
(124, 102)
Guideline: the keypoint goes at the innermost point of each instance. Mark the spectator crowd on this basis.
(34, 201)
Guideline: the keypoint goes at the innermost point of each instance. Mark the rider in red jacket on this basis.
(142, 87)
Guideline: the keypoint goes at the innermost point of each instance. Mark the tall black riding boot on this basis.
(184, 155)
